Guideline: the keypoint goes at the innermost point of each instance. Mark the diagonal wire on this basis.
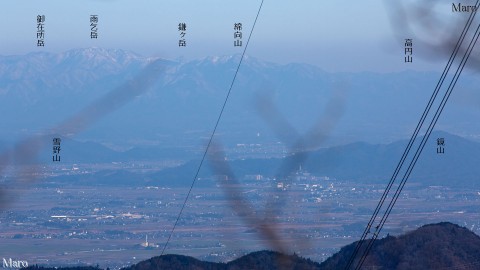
(413, 138)
(213, 133)
(423, 142)
(297, 150)
(266, 226)
(430, 129)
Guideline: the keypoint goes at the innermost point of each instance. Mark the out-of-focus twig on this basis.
(298, 147)
(425, 22)
(26, 151)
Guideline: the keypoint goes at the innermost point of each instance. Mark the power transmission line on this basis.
(213, 132)
(411, 142)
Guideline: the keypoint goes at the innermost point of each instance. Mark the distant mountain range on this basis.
(361, 162)
(436, 246)
(38, 90)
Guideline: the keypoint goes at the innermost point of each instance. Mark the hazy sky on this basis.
(335, 35)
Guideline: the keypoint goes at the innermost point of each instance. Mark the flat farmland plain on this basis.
(109, 226)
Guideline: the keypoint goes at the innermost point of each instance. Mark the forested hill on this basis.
(436, 246)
